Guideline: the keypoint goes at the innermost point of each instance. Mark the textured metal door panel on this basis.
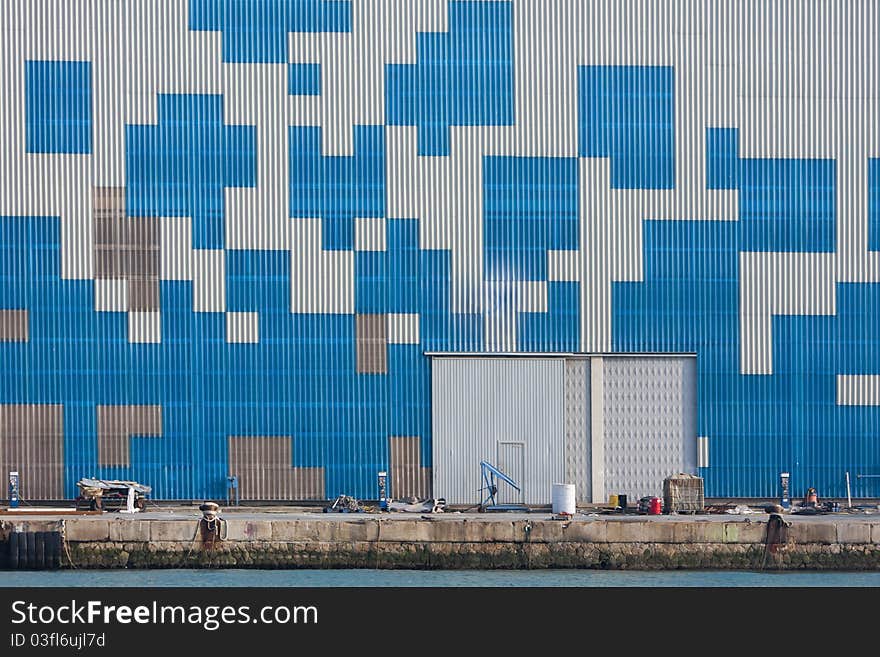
(577, 427)
(649, 423)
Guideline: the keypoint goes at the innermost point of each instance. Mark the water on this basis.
(402, 578)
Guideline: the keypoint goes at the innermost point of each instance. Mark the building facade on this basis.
(231, 231)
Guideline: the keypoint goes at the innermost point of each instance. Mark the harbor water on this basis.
(435, 578)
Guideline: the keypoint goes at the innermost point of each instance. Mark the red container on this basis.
(656, 507)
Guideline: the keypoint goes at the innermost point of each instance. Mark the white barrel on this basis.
(563, 498)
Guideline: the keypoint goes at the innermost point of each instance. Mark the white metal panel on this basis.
(780, 284)
(320, 281)
(858, 390)
(209, 280)
(478, 403)
(403, 328)
(689, 399)
(703, 449)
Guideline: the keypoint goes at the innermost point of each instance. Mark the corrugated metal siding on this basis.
(262, 465)
(408, 478)
(117, 424)
(661, 176)
(480, 404)
(649, 423)
(32, 444)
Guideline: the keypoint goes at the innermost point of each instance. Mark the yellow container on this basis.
(612, 500)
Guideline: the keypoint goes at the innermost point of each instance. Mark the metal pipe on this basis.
(858, 476)
(848, 493)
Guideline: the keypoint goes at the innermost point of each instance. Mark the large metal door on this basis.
(478, 403)
(512, 462)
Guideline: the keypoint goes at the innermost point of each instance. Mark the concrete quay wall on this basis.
(456, 541)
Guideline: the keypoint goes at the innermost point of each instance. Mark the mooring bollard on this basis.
(213, 527)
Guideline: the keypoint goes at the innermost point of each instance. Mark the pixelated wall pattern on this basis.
(230, 230)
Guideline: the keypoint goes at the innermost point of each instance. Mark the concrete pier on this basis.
(173, 539)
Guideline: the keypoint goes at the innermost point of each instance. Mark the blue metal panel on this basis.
(530, 206)
(180, 167)
(256, 31)
(337, 188)
(874, 204)
(388, 281)
(258, 280)
(442, 330)
(787, 205)
(58, 107)
(626, 113)
(722, 158)
(463, 76)
(556, 329)
(304, 79)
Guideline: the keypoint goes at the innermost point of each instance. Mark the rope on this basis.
(193, 542)
(64, 542)
(378, 540)
(218, 527)
(527, 545)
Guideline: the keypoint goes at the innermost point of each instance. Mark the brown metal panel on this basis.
(108, 263)
(108, 199)
(32, 443)
(143, 294)
(140, 233)
(14, 326)
(106, 232)
(127, 248)
(408, 477)
(307, 483)
(263, 467)
(116, 424)
(139, 263)
(372, 344)
(107, 213)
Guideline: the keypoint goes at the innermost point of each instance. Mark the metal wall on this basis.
(254, 218)
(496, 409)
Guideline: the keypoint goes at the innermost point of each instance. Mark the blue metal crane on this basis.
(489, 473)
